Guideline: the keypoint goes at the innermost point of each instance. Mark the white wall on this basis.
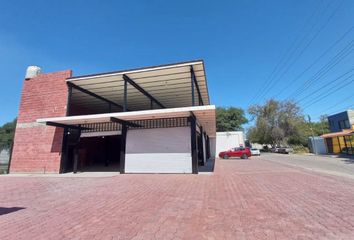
(212, 147)
(227, 140)
(159, 150)
(204, 148)
(317, 145)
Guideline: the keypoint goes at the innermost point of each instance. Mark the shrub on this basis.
(300, 149)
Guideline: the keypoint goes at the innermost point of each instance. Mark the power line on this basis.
(314, 62)
(329, 84)
(270, 86)
(325, 69)
(338, 103)
(329, 93)
(265, 84)
(337, 111)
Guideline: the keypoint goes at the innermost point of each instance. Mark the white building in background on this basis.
(317, 145)
(227, 140)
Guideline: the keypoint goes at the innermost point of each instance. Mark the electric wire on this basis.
(280, 62)
(334, 61)
(275, 80)
(329, 93)
(315, 61)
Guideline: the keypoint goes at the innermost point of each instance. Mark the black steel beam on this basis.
(120, 121)
(66, 126)
(140, 89)
(194, 79)
(93, 94)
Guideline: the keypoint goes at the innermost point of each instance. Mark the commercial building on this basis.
(341, 138)
(147, 120)
(339, 121)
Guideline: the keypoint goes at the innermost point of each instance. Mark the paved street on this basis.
(338, 166)
(242, 199)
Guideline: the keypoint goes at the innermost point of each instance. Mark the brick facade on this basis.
(37, 148)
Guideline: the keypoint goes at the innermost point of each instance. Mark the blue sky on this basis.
(241, 43)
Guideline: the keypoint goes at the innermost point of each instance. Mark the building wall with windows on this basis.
(341, 138)
(340, 121)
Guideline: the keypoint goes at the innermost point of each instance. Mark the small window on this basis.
(346, 124)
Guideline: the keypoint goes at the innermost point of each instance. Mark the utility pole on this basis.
(313, 136)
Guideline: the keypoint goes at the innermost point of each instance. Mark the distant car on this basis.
(255, 152)
(274, 149)
(241, 152)
(285, 150)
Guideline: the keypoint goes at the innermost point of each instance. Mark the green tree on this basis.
(318, 128)
(230, 119)
(276, 123)
(7, 132)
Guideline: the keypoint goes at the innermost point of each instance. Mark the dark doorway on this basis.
(99, 154)
(329, 143)
(95, 154)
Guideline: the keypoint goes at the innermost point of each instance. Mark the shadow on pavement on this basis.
(208, 167)
(4, 210)
(350, 160)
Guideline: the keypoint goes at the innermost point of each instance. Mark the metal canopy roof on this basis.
(344, 132)
(205, 116)
(168, 84)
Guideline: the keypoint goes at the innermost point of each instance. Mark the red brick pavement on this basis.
(243, 199)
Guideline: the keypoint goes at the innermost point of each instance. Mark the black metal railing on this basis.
(138, 124)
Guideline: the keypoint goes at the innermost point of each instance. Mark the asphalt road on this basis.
(338, 166)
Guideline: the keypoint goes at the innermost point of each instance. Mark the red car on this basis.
(244, 153)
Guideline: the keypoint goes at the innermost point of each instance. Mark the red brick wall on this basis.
(37, 148)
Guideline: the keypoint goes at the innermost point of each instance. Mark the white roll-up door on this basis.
(159, 150)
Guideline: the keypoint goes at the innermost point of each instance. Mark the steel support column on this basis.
(194, 153)
(208, 146)
(64, 151)
(192, 88)
(202, 144)
(123, 142)
(68, 104)
(125, 105)
(64, 147)
(195, 83)
(76, 152)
